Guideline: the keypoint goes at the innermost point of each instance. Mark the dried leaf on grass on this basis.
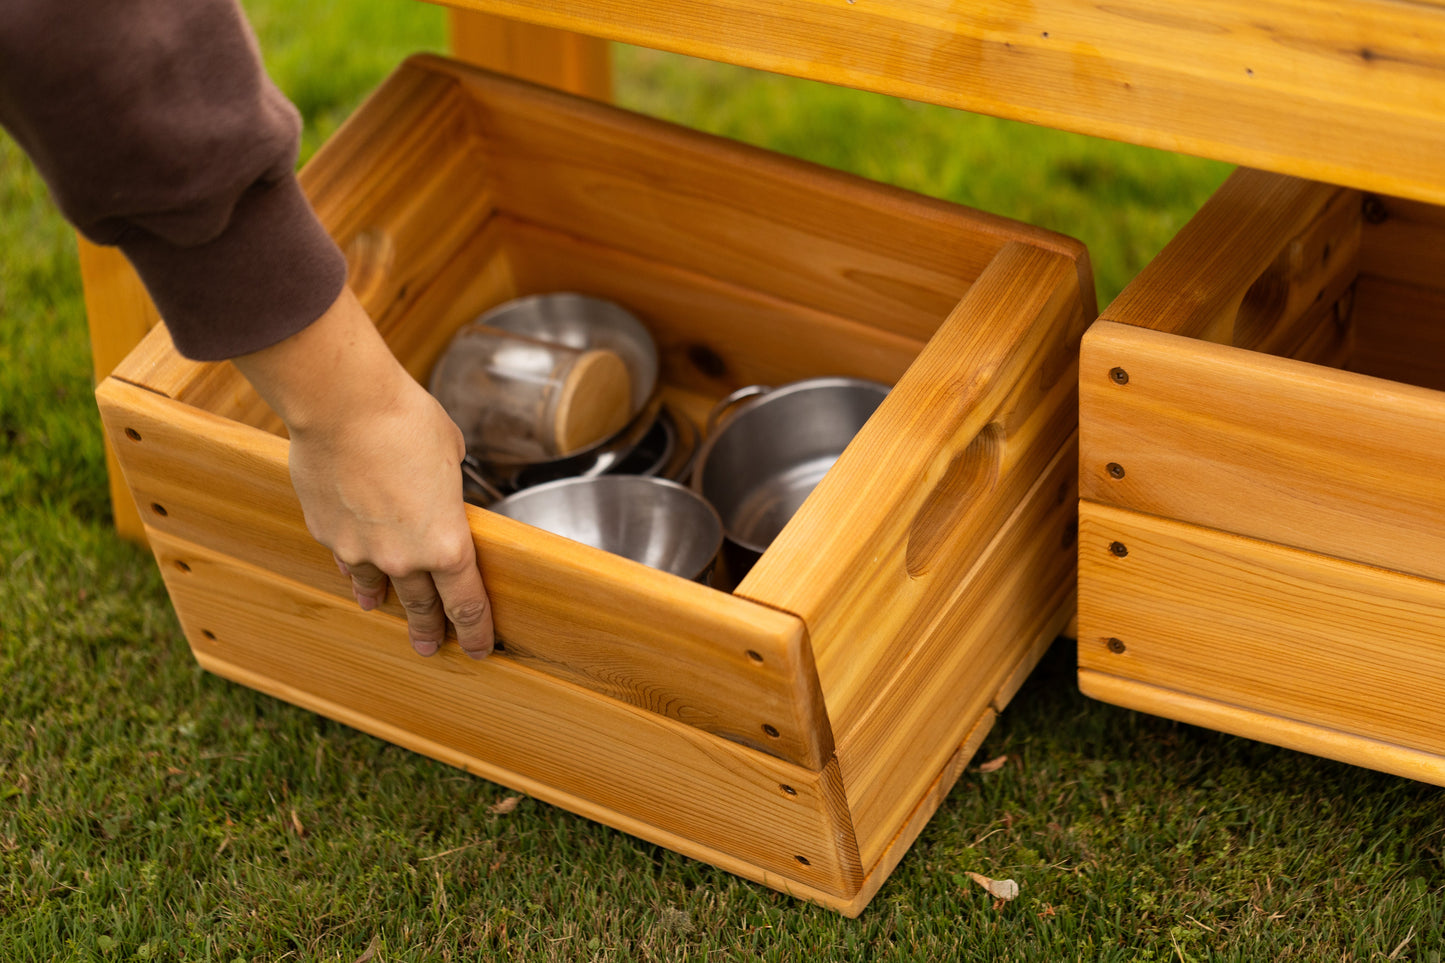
(993, 765)
(505, 806)
(1004, 889)
(296, 824)
(370, 950)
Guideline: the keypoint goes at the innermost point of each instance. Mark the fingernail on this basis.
(425, 648)
(366, 602)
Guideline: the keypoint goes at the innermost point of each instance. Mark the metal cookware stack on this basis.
(557, 398)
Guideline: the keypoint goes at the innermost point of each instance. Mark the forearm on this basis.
(158, 131)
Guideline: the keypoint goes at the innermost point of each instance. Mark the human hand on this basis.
(375, 462)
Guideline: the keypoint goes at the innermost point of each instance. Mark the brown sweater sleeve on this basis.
(157, 130)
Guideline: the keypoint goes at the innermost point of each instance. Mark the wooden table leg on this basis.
(568, 61)
(120, 312)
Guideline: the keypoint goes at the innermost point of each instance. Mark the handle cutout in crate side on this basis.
(971, 475)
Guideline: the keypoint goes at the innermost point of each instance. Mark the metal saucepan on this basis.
(769, 448)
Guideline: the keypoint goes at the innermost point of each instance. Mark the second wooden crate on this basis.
(1262, 523)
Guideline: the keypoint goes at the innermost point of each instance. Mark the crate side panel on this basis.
(549, 738)
(671, 646)
(794, 230)
(1403, 241)
(944, 462)
(1196, 286)
(1330, 461)
(1001, 617)
(1272, 629)
(1399, 331)
(713, 336)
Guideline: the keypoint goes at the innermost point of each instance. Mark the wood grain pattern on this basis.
(712, 336)
(641, 772)
(1331, 461)
(959, 661)
(120, 313)
(1000, 369)
(1324, 642)
(886, 257)
(1345, 747)
(557, 58)
(1399, 331)
(1198, 284)
(1349, 92)
(624, 630)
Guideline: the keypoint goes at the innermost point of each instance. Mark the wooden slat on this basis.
(1316, 740)
(944, 462)
(1399, 331)
(929, 804)
(1349, 92)
(1403, 242)
(1271, 629)
(793, 230)
(1199, 282)
(712, 336)
(651, 639)
(1331, 461)
(557, 58)
(967, 659)
(628, 768)
(120, 313)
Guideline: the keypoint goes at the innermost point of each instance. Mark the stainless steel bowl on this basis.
(649, 520)
(767, 454)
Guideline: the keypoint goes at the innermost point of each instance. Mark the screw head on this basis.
(1115, 470)
(1116, 646)
(1119, 376)
(1119, 549)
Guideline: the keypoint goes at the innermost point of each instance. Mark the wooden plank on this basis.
(631, 769)
(557, 58)
(120, 313)
(1349, 92)
(1330, 743)
(882, 256)
(1330, 461)
(642, 636)
(1399, 332)
(1403, 241)
(1199, 283)
(967, 659)
(929, 804)
(944, 462)
(1274, 630)
(712, 336)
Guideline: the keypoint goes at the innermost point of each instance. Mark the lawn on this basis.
(150, 811)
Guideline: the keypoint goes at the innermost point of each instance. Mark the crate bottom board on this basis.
(1324, 655)
(626, 768)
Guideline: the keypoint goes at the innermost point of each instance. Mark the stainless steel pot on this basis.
(768, 450)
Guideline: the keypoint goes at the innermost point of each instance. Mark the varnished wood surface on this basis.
(641, 772)
(1349, 92)
(1324, 642)
(1332, 461)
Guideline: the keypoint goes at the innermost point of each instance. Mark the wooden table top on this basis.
(1346, 91)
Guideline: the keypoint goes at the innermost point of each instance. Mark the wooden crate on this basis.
(798, 731)
(1262, 515)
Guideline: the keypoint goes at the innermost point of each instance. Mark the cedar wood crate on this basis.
(798, 731)
(1262, 515)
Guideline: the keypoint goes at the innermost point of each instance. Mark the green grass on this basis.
(151, 811)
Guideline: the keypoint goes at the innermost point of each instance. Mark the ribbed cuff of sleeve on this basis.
(271, 273)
